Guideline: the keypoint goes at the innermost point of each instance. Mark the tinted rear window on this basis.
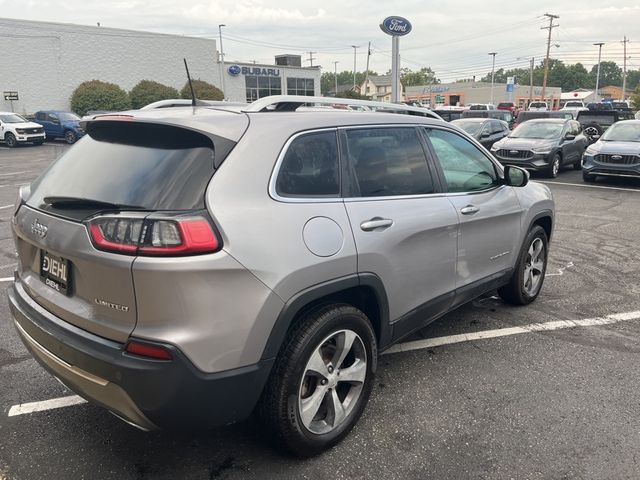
(154, 167)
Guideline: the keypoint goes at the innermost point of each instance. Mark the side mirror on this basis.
(485, 135)
(569, 136)
(515, 176)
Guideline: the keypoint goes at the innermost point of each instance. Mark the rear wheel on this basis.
(526, 282)
(70, 137)
(10, 140)
(321, 381)
(588, 177)
(593, 131)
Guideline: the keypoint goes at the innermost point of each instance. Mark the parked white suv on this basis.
(538, 107)
(16, 129)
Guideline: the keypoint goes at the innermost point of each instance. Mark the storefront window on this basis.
(258, 87)
(300, 86)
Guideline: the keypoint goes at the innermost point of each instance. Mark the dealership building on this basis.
(465, 93)
(44, 63)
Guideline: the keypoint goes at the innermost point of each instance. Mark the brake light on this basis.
(153, 237)
(150, 351)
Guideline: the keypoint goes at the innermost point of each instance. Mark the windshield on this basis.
(573, 104)
(68, 117)
(620, 132)
(538, 104)
(505, 105)
(13, 118)
(538, 130)
(478, 107)
(472, 128)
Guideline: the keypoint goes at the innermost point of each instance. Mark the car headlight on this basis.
(495, 147)
(590, 151)
(21, 131)
(542, 151)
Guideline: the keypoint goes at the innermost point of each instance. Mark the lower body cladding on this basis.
(536, 163)
(592, 167)
(149, 394)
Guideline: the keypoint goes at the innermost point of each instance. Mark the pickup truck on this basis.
(595, 122)
(58, 124)
(15, 129)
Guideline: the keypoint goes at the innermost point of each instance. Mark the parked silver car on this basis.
(615, 154)
(183, 267)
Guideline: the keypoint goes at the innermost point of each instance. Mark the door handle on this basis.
(469, 210)
(376, 223)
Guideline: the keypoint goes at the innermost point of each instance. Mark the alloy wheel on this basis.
(332, 381)
(534, 267)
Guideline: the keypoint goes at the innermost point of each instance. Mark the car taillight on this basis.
(153, 237)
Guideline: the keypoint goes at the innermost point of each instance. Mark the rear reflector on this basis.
(153, 236)
(149, 351)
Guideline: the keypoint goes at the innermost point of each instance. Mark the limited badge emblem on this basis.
(115, 306)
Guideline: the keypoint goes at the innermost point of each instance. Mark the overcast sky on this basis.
(452, 37)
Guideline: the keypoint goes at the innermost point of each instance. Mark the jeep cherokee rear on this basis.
(182, 267)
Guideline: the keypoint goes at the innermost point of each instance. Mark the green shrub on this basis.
(635, 98)
(203, 91)
(97, 95)
(148, 91)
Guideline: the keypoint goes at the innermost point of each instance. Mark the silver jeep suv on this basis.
(184, 267)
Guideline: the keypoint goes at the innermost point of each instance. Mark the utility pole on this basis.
(221, 60)
(335, 78)
(311, 58)
(366, 72)
(355, 47)
(493, 71)
(624, 69)
(546, 59)
(599, 45)
(531, 81)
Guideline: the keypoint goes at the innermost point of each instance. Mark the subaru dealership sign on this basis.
(234, 70)
(396, 26)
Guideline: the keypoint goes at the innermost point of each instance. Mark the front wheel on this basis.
(526, 281)
(554, 166)
(10, 140)
(588, 177)
(321, 381)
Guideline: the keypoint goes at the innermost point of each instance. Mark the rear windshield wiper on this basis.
(87, 203)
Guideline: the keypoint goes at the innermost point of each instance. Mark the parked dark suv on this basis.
(487, 131)
(201, 263)
(595, 122)
(543, 145)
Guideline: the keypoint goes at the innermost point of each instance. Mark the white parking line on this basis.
(15, 173)
(26, 408)
(6, 279)
(504, 332)
(5, 206)
(52, 404)
(590, 186)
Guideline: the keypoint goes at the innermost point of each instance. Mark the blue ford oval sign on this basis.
(396, 26)
(234, 70)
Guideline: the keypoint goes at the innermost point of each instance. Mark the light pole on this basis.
(335, 72)
(355, 47)
(531, 64)
(599, 45)
(493, 68)
(221, 60)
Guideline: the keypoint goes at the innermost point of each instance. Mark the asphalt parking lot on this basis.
(557, 401)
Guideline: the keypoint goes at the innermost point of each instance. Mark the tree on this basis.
(148, 91)
(610, 74)
(635, 98)
(424, 76)
(97, 95)
(576, 76)
(203, 91)
(633, 79)
(328, 79)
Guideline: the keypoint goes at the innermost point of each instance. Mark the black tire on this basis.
(70, 137)
(279, 406)
(10, 140)
(577, 165)
(514, 292)
(588, 177)
(554, 166)
(38, 142)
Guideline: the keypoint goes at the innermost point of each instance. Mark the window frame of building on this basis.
(303, 86)
(264, 83)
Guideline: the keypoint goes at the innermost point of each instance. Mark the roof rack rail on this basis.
(289, 103)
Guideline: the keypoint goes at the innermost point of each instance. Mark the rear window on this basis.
(599, 119)
(153, 167)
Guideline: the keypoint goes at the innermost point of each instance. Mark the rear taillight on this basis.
(153, 236)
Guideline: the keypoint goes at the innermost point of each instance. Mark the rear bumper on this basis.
(148, 393)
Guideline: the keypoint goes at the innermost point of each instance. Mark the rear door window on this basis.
(388, 162)
(152, 167)
(310, 167)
